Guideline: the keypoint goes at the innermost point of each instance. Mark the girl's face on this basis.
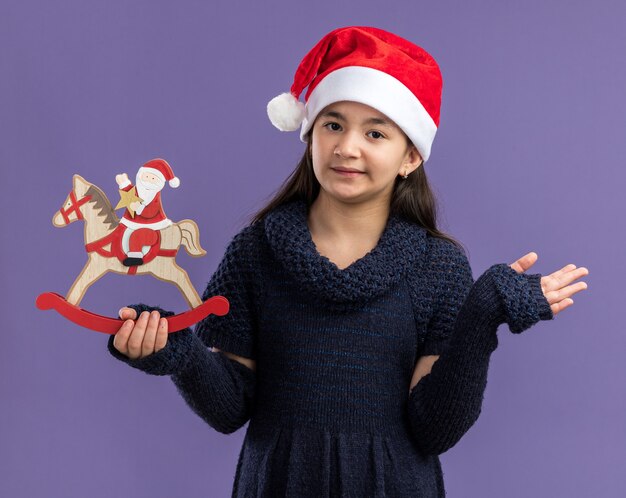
(358, 153)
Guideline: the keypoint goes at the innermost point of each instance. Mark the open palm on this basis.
(557, 287)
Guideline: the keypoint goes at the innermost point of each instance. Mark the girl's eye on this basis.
(332, 126)
(377, 134)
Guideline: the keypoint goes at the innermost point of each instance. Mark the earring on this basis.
(405, 176)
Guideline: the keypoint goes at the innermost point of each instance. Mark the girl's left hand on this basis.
(555, 286)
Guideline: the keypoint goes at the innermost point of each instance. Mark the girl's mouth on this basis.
(347, 172)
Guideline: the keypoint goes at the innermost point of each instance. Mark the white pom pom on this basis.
(285, 112)
(174, 182)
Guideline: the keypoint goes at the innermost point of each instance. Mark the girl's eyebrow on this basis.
(338, 115)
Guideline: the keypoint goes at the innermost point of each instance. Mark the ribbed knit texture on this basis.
(329, 405)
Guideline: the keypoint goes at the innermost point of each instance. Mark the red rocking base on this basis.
(217, 305)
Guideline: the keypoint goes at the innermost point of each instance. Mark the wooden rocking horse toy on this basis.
(106, 246)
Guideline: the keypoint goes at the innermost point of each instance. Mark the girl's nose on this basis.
(348, 146)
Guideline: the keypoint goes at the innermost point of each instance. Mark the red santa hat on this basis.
(371, 66)
(161, 169)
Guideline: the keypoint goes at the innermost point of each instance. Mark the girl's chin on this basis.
(342, 194)
(352, 196)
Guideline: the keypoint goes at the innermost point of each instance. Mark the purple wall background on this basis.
(528, 157)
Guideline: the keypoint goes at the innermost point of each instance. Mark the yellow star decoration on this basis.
(127, 198)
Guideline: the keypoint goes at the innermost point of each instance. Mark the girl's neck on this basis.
(332, 220)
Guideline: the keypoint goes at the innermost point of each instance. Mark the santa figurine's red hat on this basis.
(161, 169)
(371, 66)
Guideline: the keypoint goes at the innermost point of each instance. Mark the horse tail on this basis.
(190, 237)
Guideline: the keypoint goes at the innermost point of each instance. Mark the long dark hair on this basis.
(412, 199)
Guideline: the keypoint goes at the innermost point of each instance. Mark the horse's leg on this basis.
(94, 269)
(165, 268)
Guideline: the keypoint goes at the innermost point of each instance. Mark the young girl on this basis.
(357, 344)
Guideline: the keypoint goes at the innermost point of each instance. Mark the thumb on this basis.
(127, 314)
(525, 262)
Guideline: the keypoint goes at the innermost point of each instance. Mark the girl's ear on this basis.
(413, 159)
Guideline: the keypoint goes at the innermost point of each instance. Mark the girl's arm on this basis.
(218, 389)
(251, 364)
(423, 367)
(446, 402)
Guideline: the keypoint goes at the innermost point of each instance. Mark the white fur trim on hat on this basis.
(379, 90)
(285, 112)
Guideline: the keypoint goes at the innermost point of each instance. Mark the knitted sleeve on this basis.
(236, 278)
(218, 389)
(453, 274)
(445, 403)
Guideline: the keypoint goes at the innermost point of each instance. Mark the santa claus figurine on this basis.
(143, 218)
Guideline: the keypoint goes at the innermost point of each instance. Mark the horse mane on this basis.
(102, 203)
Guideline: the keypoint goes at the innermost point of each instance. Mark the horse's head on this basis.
(71, 210)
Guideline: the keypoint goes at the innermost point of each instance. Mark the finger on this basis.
(566, 292)
(161, 337)
(120, 341)
(564, 270)
(147, 346)
(128, 314)
(525, 262)
(560, 306)
(563, 277)
(553, 281)
(136, 337)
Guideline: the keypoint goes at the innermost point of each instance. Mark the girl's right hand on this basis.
(556, 287)
(141, 338)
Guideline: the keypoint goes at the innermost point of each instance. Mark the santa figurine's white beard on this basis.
(147, 190)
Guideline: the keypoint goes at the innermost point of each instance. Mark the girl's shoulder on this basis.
(247, 238)
(283, 215)
(446, 259)
(243, 252)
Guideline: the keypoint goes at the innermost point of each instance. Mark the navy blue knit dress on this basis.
(329, 408)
